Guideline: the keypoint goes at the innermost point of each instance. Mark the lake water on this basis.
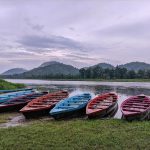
(123, 89)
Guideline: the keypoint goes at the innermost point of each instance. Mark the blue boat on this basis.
(71, 107)
(15, 90)
(12, 95)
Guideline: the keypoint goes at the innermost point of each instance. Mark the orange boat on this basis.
(41, 106)
(102, 106)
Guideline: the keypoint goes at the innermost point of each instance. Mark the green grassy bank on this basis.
(77, 135)
(4, 85)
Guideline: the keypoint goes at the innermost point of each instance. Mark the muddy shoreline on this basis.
(17, 119)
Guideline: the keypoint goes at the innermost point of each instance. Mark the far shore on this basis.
(96, 80)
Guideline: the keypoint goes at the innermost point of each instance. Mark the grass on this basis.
(77, 135)
(4, 85)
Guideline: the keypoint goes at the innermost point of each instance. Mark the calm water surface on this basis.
(123, 89)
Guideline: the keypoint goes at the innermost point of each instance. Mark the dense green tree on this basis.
(147, 74)
(91, 73)
(96, 72)
(141, 74)
(131, 74)
(116, 73)
(88, 73)
(82, 73)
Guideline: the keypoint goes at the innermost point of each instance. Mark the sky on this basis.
(77, 32)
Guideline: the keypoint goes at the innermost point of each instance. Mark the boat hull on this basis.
(136, 108)
(17, 104)
(17, 90)
(70, 114)
(36, 113)
(109, 112)
(11, 108)
(41, 106)
(140, 117)
(14, 95)
(102, 106)
(71, 107)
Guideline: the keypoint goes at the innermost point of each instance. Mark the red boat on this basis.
(102, 106)
(17, 103)
(41, 106)
(136, 108)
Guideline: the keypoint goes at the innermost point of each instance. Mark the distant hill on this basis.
(54, 69)
(49, 63)
(105, 65)
(102, 65)
(14, 71)
(136, 66)
(49, 69)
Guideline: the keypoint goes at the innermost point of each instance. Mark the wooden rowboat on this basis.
(15, 90)
(71, 107)
(102, 106)
(136, 108)
(17, 103)
(41, 106)
(12, 95)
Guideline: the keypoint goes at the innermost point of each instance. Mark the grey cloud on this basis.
(37, 27)
(34, 26)
(138, 29)
(50, 42)
(71, 28)
(11, 55)
(80, 57)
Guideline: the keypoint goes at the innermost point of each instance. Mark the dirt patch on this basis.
(13, 120)
(17, 119)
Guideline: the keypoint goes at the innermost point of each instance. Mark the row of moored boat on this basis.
(59, 105)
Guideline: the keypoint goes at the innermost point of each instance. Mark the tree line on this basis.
(116, 73)
(96, 72)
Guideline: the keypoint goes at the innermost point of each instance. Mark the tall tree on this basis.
(131, 74)
(141, 74)
(82, 73)
(88, 73)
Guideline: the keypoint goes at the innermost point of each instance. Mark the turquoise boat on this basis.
(15, 90)
(12, 95)
(71, 107)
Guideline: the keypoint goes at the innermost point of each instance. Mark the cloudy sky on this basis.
(76, 32)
